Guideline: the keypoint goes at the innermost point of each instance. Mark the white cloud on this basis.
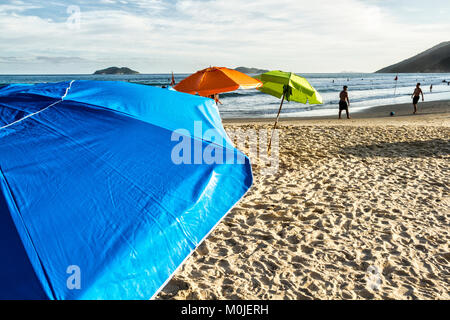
(16, 6)
(161, 36)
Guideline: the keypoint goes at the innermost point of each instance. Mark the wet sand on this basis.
(358, 209)
(376, 114)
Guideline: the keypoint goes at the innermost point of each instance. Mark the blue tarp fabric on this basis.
(92, 205)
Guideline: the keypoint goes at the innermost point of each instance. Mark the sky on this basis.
(161, 36)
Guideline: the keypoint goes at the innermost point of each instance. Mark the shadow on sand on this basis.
(412, 149)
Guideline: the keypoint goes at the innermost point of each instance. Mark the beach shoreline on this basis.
(426, 109)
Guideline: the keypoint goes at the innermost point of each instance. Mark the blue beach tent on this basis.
(94, 200)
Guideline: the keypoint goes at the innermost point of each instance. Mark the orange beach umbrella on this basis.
(214, 80)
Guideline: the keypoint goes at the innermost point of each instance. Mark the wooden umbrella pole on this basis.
(276, 122)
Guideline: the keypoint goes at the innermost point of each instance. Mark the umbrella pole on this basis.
(276, 122)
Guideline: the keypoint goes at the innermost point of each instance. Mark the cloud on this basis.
(184, 35)
(49, 59)
(61, 60)
(16, 59)
(16, 6)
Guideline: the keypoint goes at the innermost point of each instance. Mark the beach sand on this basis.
(358, 209)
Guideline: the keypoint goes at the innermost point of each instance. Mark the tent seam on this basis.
(37, 112)
(203, 239)
(19, 215)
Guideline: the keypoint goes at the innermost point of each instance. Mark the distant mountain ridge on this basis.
(433, 60)
(251, 70)
(116, 70)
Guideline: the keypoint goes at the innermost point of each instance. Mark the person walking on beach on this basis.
(416, 96)
(344, 102)
(215, 97)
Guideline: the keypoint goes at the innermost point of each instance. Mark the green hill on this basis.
(116, 70)
(436, 59)
(251, 70)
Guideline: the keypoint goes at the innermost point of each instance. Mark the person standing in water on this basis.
(431, 88)
(344, 102)
(416, 96)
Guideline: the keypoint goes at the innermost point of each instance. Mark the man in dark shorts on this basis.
(344, 102)
(416, 97)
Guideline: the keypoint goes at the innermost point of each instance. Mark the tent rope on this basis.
(37, 112)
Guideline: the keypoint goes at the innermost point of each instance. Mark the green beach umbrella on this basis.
(289, 86)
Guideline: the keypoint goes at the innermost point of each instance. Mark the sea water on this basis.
(365, 91)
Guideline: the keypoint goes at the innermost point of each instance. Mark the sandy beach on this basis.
(359, 209)
(139, 158)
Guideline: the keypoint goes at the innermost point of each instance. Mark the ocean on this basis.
(365, 91)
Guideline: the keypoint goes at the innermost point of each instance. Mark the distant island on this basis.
(434, 60)
(116, 70)
(251, 70)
